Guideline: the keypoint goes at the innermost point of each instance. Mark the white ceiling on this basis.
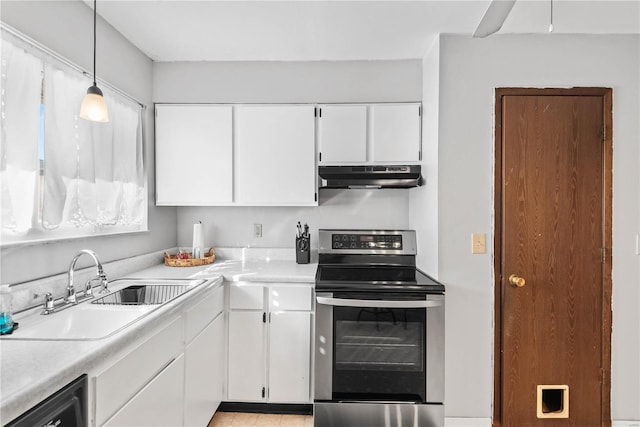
(208, 30)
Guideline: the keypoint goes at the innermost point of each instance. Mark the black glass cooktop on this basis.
(375, 278)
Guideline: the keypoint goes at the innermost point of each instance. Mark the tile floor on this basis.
(244, 419)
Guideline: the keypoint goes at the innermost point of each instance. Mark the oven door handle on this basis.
(344, 302)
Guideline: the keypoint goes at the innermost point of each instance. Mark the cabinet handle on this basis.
(263, 392)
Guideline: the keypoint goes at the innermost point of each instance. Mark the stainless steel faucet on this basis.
(100, 276)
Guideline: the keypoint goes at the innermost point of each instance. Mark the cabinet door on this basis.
(193, 155)
(289, 356)
(342, 133)
(395, 133)
(275, 155)
(204, 374)
(246, 356)
(159, 404)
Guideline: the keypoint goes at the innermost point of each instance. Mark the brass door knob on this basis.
(517, 281)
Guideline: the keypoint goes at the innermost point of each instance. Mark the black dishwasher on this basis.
(65, 408)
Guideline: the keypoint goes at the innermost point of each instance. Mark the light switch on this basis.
(478, 243)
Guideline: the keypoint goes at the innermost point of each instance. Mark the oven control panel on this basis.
(366, 241)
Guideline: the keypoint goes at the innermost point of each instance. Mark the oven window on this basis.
(379, 353)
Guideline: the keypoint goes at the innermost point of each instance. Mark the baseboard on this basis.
(267, 408)
(467, 422)
(486, 422)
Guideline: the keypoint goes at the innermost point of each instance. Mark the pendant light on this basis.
(93, 107)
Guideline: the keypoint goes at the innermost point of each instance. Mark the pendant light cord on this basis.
(551, 16)
(95, 12)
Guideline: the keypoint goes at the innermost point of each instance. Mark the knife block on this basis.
(303, 250)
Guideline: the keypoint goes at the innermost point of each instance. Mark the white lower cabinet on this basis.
(270, 346)
(246, 356)
(289, 356)
(204, 374)
(174, 378)
(127, 377)
(159, 403)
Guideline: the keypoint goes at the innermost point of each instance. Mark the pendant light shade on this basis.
(93, 107)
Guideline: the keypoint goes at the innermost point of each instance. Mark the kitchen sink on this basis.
(79, 323)
(105, 315)
(147, 292)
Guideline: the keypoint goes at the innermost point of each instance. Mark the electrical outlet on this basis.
(257, 230)
(478, 243)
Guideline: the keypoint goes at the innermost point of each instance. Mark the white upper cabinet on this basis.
(194, 155)
(275, 155)
(259, 155)
(395, 135)
(369, 133)
(342, 133)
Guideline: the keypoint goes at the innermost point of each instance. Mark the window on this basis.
(62, 176)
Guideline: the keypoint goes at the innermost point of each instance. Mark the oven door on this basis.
(379, 347)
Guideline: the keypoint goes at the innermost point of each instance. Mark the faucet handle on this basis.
(48, 303)
(71, 295)
(104, 283)
(48, 300)
(87, 288)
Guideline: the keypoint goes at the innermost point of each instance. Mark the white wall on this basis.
(470, 70)
(66, 27)
(275, 82)
(291, 82)
(233, 226)
(423, 210)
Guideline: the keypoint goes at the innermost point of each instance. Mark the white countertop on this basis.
(30, 371)
(250, 270)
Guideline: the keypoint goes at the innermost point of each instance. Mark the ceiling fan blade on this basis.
(494, 17)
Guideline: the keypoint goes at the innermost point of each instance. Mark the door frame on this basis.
(607, 98)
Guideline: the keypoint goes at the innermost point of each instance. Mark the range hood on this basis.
(370, 176)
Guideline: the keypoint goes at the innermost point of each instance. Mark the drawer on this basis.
(247, 296)
(120, 382)
(290, 297)
(203, 313)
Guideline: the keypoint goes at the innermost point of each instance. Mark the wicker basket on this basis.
(172, 261)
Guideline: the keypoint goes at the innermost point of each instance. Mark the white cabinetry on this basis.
(395, 134)
(289, 356)
(245, 155)
(246, 342)
(139, 368)
(269, 342)
(246, 356)
(369, 133)
(342, 133)
(194, 154)
(204, 360)
(174, 378)
(275, 155)
(159, 403)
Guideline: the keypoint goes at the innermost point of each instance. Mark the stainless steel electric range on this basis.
(379, 350)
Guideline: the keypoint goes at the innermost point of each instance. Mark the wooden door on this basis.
(553, 230)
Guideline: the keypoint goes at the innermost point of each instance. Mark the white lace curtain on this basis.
(92, 180)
